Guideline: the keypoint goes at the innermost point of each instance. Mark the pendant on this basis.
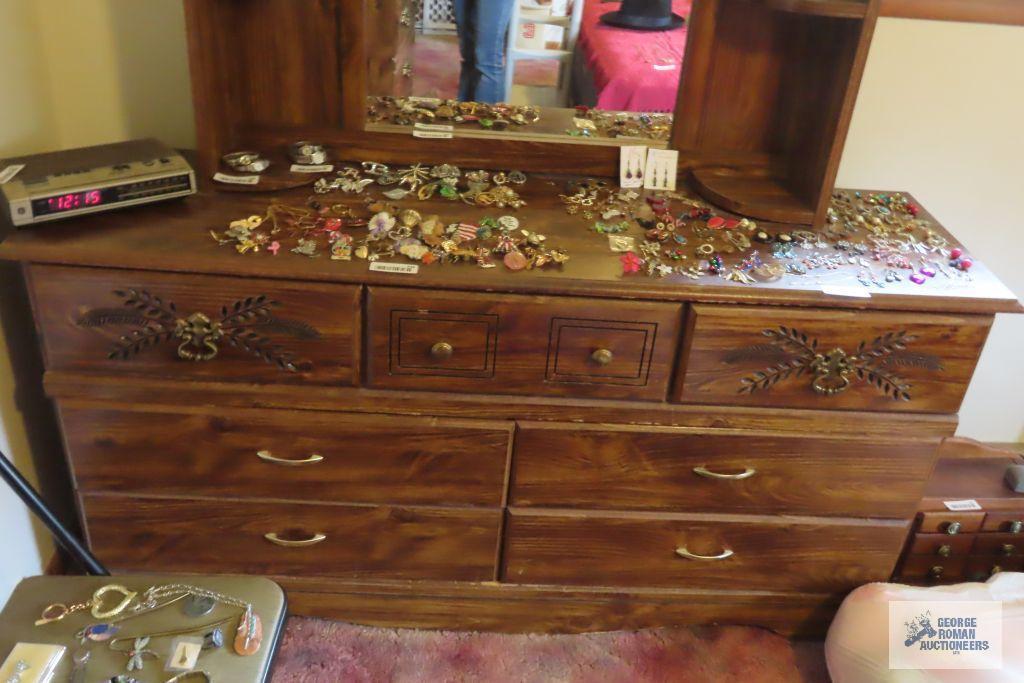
(199, 605)
(249, 635)
(97, 601)
(98, 633)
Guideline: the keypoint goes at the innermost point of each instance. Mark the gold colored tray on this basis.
(17, 624)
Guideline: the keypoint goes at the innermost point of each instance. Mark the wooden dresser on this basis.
(541, 450)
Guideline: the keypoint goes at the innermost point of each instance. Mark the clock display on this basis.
(71, 201)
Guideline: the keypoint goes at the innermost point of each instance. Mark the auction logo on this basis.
(945, 635)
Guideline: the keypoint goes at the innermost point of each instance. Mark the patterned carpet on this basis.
(318, 651)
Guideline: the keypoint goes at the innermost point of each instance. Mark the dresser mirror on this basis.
(546, 70)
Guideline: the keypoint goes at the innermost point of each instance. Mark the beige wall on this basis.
(939, 115)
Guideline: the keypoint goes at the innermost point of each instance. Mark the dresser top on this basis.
(176, 236)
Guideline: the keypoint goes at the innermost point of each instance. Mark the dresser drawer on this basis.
(928, 569)
(652, 468)
(999, 545)
(624, 549)
(1008, 522)
(520, 345)
(196, 327)
(212, 536)
(951, 523)
(942, 545)
(981, 568)
(283, 454)
(782, 357)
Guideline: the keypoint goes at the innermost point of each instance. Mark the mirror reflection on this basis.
(535, 68)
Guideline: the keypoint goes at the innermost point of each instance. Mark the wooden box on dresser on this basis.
(558, 451)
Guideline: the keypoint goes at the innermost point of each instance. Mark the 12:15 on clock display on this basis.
(74, 200)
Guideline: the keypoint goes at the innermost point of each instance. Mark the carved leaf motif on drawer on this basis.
(244, 324)
(792, 353)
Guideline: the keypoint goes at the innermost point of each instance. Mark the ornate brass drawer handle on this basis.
(705, 472)
(724, 555)
(944, 550)
(244, 324)
(442, 350)
(302, 543)
(792, 353)
(602, 356)
(267, 456)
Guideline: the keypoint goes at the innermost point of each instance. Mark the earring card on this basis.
(632, 163)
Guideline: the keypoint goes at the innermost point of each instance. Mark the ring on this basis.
(247, 161)
(307, 153)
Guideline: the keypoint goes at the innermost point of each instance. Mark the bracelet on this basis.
(307, 153)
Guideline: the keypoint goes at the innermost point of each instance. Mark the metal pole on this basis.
(31, 498)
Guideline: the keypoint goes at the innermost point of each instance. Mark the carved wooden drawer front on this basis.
(457, 341)
(829, 359)
(196, 327)
(699, 551)
(298, 455)
(210, 536)
(652, 468)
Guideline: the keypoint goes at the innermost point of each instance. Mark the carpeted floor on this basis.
(318, 651)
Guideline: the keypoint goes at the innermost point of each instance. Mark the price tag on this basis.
(312, 168)
(236, 179)
(400, 268)
(961, 505)
(8, 173)
(435, 131)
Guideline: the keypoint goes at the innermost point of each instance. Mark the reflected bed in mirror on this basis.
(587, 71)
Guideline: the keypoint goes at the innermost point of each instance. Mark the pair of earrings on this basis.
(630, 174)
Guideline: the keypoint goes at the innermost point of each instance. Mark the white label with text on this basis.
(961, 505)
(400, 268)
(312, 168)
(236, 179)
(7, 175)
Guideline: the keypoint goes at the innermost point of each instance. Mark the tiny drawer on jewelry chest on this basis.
(824, 359)
(675, 469)
(347, 541)
(196, 327)
(700, 551)
(281, 454)
(506, 344)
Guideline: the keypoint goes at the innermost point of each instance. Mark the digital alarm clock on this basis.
(57, 185)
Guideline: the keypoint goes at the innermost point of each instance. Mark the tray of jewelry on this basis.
(141, 629)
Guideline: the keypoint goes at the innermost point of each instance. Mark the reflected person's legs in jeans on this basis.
(492, 17)
(483, 25)
(465, 23)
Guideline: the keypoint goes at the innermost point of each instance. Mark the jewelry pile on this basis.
(320, 227)
(183, 652)
(480, 188)
(613, 124)
(406, 111)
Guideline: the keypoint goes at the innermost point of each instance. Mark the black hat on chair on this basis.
(644, 15)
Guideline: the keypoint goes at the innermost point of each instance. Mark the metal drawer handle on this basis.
(953, 528)
(304, 543)
(944, 550)
(602, 356)
(724, 555)
(1016, 526)
(441, 350)
(705, 472)
(267, 456)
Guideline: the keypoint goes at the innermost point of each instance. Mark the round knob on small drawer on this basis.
(953, 528)
(1016, 526)
(602, 356)
(936, 571)
(1009, 549)
(944, 550)
(995, 570)
(441, 351)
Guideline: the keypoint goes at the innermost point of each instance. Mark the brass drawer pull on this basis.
(267, 456)
(1009, 549)
(304, 543)
(953, 528)
(705, 472)
(442, 351)
(944, 550)
(602, 356)
(724, 555)
(1016, 526)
